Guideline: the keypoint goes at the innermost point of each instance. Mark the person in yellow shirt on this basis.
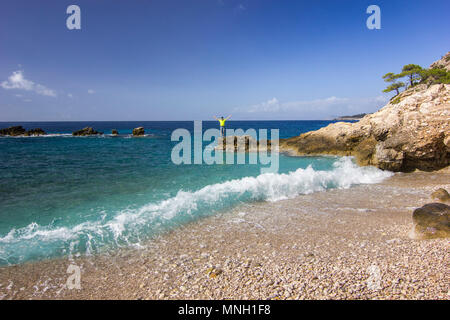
(222, 124)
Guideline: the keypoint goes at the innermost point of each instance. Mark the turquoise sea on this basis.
(63, 195)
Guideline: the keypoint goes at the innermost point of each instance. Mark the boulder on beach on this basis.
(441, 195)
(20, 131)
(88, 131)
(431, 221)
(114, 132)
(411, 132)
(138, 131)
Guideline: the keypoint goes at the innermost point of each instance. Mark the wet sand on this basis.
(337, 244)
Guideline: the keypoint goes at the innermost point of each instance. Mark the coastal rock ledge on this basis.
(411, 132)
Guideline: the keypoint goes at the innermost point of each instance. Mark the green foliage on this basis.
(390, 77)
(395, 100)
(413, 72)
(436, 75)
(415, 75)
(395, 86)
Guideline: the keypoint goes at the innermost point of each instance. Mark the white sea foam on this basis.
(268, 187)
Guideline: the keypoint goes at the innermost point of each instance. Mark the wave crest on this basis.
(131, 226)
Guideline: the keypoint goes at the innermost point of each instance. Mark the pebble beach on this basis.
(338, 244)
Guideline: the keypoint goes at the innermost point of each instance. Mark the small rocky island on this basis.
(17, 131)
(88, 131)
(138, 132)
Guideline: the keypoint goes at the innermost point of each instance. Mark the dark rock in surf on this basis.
(18, 131)
(13, 131)
(88, 131)
(35, 132)
(138, 131)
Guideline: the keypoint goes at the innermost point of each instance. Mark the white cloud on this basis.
(311, 109)
(273, 105)
(90, 91)
(18, 81)
(70, 95)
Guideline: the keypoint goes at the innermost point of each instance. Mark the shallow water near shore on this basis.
(322, 245)
(62, 195)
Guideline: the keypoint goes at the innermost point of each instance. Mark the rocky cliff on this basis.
(411, 132)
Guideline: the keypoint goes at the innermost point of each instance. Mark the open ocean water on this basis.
(63, 195)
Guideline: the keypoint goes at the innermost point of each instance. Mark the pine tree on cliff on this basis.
(395, 85)
(436, 75)
(413, 72)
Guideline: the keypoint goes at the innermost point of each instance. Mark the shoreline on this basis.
(321, 245)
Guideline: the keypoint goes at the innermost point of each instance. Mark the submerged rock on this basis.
(411, 132)
(432, 221)
(88, 131)
(138, 131)
(20, 131)
(441, 195)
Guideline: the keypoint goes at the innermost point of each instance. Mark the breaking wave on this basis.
(131, 226)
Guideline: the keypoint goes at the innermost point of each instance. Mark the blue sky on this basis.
(193, 59)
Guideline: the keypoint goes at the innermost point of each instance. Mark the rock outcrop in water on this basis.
(411, 132)
(17, 131)
(88, 131)
(138, 131)
(13, 131)
(241, 144)
(35, 132)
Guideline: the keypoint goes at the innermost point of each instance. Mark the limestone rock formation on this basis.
(443, 62)
(411, 132)
(431, 221)
(88, 131)
(138, 131)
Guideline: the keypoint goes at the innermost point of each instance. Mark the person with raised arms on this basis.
(222, 124)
